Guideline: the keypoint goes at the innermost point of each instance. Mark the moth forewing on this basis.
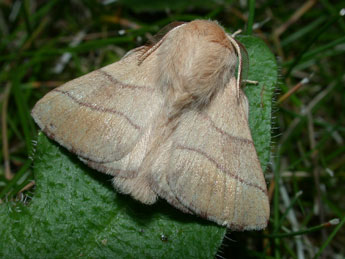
(105, 106)
(168, 120)
(214, 170)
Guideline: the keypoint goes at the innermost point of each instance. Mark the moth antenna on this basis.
(154, 47)
(240, 64)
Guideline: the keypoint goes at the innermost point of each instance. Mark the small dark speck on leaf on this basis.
(164, 238)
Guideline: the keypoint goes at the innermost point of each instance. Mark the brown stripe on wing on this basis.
(123, 85)
(224, 133)
(234, 138)
(221, 168)
(98, 108)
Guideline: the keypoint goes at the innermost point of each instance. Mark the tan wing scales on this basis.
(100, 116)
(212, 167)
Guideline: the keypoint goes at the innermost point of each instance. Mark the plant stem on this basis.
(251, 17)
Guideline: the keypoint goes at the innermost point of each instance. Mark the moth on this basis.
(168, 120)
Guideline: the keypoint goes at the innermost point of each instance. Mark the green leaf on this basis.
(75, 212)
(262, 68)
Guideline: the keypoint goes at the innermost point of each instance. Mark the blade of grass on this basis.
(330, 8)
(320, 50)
(5, 148)
(84, 47)
(330, 237)
(306, 231)
(23, 111)
(26, 14)
(276, 200)
(289, 250)
(303, 31)
(292, 203)
(334, 207)
(251, 17)
(15, 179)
(323, 29)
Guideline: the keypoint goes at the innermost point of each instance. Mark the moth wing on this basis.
(128, 176)
(212, 166)
(101, 115)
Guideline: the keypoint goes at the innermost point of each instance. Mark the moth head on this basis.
(194, 61)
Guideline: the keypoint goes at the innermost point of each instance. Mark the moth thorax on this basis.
(194, 64)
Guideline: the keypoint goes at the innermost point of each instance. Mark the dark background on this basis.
(308, 151)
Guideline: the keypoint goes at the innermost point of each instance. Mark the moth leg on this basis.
(252, 82)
